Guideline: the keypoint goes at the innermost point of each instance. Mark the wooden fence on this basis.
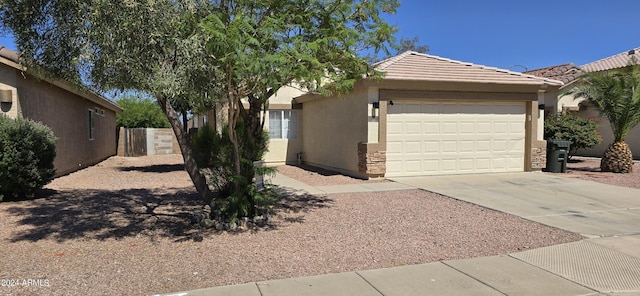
(146, 141)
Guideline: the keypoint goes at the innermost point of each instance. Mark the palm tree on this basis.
(616, 94)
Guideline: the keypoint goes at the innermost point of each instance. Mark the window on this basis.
(283, 124)
(92, 124)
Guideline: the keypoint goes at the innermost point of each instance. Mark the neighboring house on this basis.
(83, 122)
(565, 101)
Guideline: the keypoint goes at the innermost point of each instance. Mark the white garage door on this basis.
(437, 138)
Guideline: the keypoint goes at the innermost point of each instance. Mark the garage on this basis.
(429, 115)
(455, 137)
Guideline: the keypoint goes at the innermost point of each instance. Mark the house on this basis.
(428, 116)
(565, 101)
(282, 122)
(83, 121)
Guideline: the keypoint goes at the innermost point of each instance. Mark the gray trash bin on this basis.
(557, 155)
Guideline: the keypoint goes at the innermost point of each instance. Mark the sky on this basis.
(530, 34)
(516, 35)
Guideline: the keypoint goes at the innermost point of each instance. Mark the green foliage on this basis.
(239, 197)
(582, 132)
(140, 113)
(27, 151)
(190, 55)
(616, 94)
(405, 44)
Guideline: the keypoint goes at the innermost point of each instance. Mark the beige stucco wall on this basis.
(67, 114)
(633, 138)
(333, 127)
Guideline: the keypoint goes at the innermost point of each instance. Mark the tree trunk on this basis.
(199, 181)
(617, 159)
(234, 113)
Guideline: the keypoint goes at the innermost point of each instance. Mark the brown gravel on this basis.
(121, 228)
(320, 177)
(587, 168)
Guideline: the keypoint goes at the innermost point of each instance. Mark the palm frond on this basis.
(616, 94)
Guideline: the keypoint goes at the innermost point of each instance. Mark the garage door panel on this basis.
(455, 138)
(466, 146)
(483, 146)
(483, 164)
(413, 128)
(413, 147)
(483, 128)
(449, 146)
(413, 166)
(430, 147)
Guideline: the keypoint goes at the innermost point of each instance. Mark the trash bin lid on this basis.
(561, 143)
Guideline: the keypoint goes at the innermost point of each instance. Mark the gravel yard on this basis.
(587, 168)
(122, 228)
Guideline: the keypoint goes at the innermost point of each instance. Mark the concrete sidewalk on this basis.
(606, 264)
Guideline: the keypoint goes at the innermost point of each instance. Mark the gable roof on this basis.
(412, 65)
(12, 59)
(613, 62)
(566, 73)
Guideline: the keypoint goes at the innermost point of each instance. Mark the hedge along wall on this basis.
(147, 141)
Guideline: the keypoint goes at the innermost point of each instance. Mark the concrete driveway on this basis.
(588, 208)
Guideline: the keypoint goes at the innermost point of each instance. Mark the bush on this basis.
(581, 131)
(239, 197)
(27, 151)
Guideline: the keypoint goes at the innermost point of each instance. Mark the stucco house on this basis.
(83, 121)
(565, 101)
(428, 116)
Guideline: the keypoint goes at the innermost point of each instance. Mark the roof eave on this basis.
(87, 94)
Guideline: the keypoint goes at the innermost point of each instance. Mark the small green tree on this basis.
(27, 151)
(140, 113)
(581, 131)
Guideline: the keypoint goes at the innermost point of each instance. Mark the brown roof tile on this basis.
(412, 65)
(9, 54)
(613, 62)
(565, 73)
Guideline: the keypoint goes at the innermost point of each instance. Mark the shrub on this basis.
(27, 151)
(581, 131)
(239, 197)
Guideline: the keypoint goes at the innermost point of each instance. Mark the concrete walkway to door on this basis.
(584, 207)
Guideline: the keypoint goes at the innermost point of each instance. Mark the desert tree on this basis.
(191, 53)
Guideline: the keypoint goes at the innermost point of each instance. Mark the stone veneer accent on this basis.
(538, 158)
(371, 163)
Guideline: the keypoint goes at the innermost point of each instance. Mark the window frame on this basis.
(92, 125)
(287, 131)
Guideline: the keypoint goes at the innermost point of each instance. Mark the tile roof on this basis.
(613, 62)
(412, 65)
(565, 73)
(9, 54)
